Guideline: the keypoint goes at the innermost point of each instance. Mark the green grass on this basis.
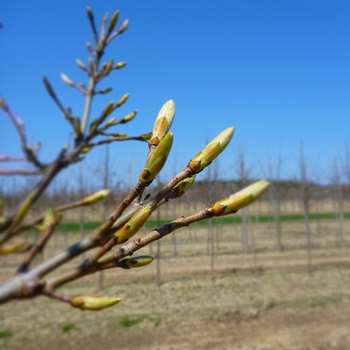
(68, 327)
(128, 322)
(5, 334)
(237, 219)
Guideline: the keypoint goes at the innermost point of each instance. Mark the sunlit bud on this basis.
(48, 87)
(211, 151)
(94, 303)
(146, 137)
(163, 122)
(120, 65)
(108, 68)
(12, 247)
(96, 197)
(134, 224)
(137, 261)
(109, 109)
(240, 199)
(157, 159)
(111, 121)
(184, 185)
(67, 80)
(81, 65)
(51, 218)
(128, 118)
(122, 100)
(113, 22)
(23, 210)
(124, 27)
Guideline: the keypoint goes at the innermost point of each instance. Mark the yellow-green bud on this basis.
(134, 224)
(96, 197)
(122, 100)
(184, 185)
(146, 137)
(240, 199)
(12, 247)
(23, 210)
(137, 261)
(157, 159)
(108, 68)
(109, 109)
(120, 65)
(113, 22)
(211, 151)
(124, 27)
(163, 122)
(128, 118)
(94, 303)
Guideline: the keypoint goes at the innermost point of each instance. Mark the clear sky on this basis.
(279, 71)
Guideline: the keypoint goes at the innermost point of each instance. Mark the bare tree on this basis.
(305, 197)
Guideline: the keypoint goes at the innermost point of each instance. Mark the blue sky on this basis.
(279, 71)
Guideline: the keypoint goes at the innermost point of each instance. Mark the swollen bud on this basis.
(211, 151)
(128, 118)
(157, 159)
(120, 65)
(122, 101)
(163, 122)
(94, 303)
(184, 185)
(134, 224)
(113, 22)
(240, 199)
(124, 27)
(137, 261)
(96, 197)
(12, 247)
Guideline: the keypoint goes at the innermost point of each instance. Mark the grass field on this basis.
(261, 299)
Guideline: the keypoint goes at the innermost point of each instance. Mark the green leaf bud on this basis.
(122, 101)
(163, 122)
(211, 151)
(128, 118)
(241, 199)
(94, 303)
(124, 27)
(108, 68)
(113, 22)
(184, 185)
(12, 247)
(109, 109)
(134, 224)
(137, 261)
(120, 65)
(96, 197)
(157, 159)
